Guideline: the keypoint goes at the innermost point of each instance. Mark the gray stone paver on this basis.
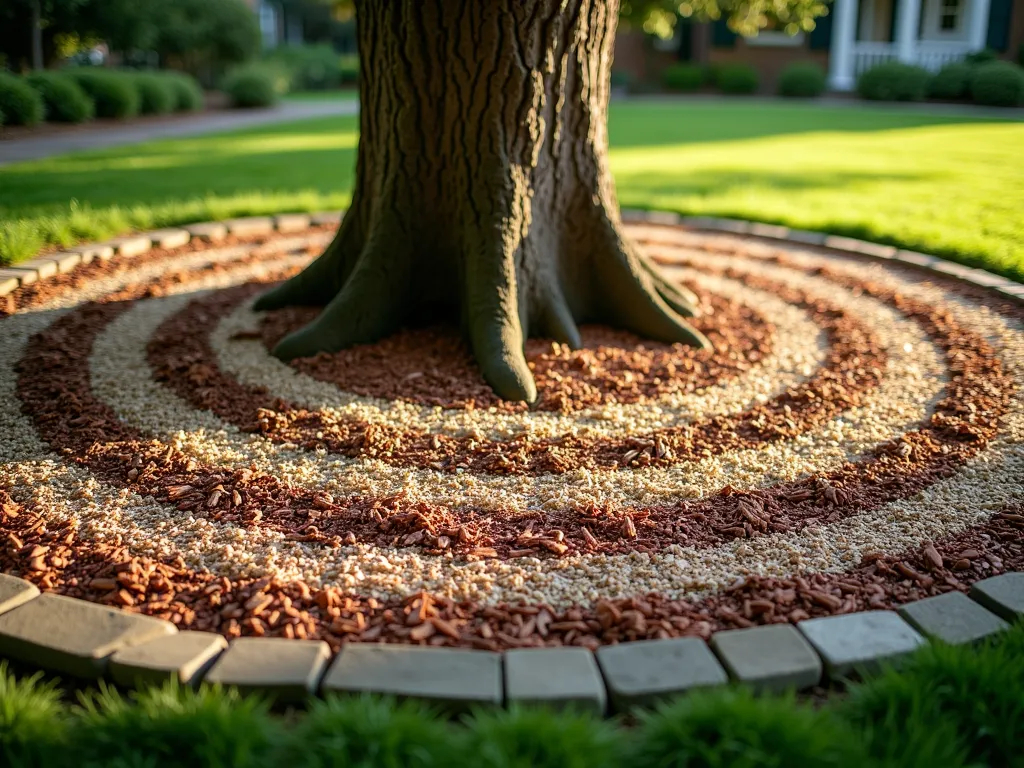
(169, 238)
(183, 656)
(555, 677)
(771, 658)
(291, 222)
(65, 260)
(71, 636)
(23, 276)
(130, 245)
(42, 268)
(860, 641)
(100, 136)
(953, 618)
(93, 252)
(250, 225)
(210, 231)
(1003, 595)
(699, 222)
(326, 217)
(15, 592)
(918, 259)
(806, 237)
(644, 672)
(10, 280)
(860, 246)
(287, 670)
(773, 231)
(455, 679)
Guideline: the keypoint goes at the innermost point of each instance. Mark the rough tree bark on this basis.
(482, 189)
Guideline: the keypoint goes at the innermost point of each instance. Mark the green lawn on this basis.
(945, 184)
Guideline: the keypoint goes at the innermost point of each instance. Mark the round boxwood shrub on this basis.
(894, 81)
(998, 84)
(113, 93)
(65, 100)
(802, 80)
(156, 94)
(188, 96)
(683, 77)
(951, 82)
(984, 56)
(19, 101)
(349, 66)
(736, 78)
(312, 67)
(255, 85)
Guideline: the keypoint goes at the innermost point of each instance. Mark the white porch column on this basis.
(908, 17)
(840, 57)
(977, 18)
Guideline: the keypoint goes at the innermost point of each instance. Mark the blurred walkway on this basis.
(101, 136)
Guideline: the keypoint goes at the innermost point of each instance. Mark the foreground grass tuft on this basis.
(32, 720)
(732, 728)
(172, 726)
(945, 707)
(538, 738)
(369, 732)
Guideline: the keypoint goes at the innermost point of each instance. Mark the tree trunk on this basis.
(482, 189)
(37, 36)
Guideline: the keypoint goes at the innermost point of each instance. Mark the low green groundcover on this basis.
(946, 707)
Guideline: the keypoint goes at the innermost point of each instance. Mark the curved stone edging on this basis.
(44, 267)
(67, 636)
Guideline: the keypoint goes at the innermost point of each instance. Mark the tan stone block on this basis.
(182, 656)
(69, 636)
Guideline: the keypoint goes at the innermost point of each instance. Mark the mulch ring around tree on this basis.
(854, 441)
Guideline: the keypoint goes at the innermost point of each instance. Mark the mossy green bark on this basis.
(482, 192)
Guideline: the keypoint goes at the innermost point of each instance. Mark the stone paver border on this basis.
(132, 649)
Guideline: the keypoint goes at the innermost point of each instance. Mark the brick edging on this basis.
(80, 639)
(73, 637)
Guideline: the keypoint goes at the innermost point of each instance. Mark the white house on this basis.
(854, 36)
(929, 33)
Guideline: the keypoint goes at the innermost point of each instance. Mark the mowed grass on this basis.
(946, 184)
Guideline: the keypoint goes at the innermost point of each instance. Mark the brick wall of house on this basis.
(769, 61)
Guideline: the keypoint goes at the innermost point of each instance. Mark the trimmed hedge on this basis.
(113, 93)
(683, 77)
(312, 67)
(255, 85)
(802, 80)
(188, 96)
(951, 82)
(349, 69)
(736, 79)
(998, 84)
(20, 103)
(156, 95)
(894, 81)
(65, 100)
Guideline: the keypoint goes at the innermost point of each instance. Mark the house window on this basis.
(949, 15)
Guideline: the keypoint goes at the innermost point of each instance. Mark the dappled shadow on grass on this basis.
(316, 157)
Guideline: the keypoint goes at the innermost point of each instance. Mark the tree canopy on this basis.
(658, 17)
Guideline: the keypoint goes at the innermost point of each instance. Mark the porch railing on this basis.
(931, 56)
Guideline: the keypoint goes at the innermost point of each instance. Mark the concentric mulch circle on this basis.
(855, 440)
